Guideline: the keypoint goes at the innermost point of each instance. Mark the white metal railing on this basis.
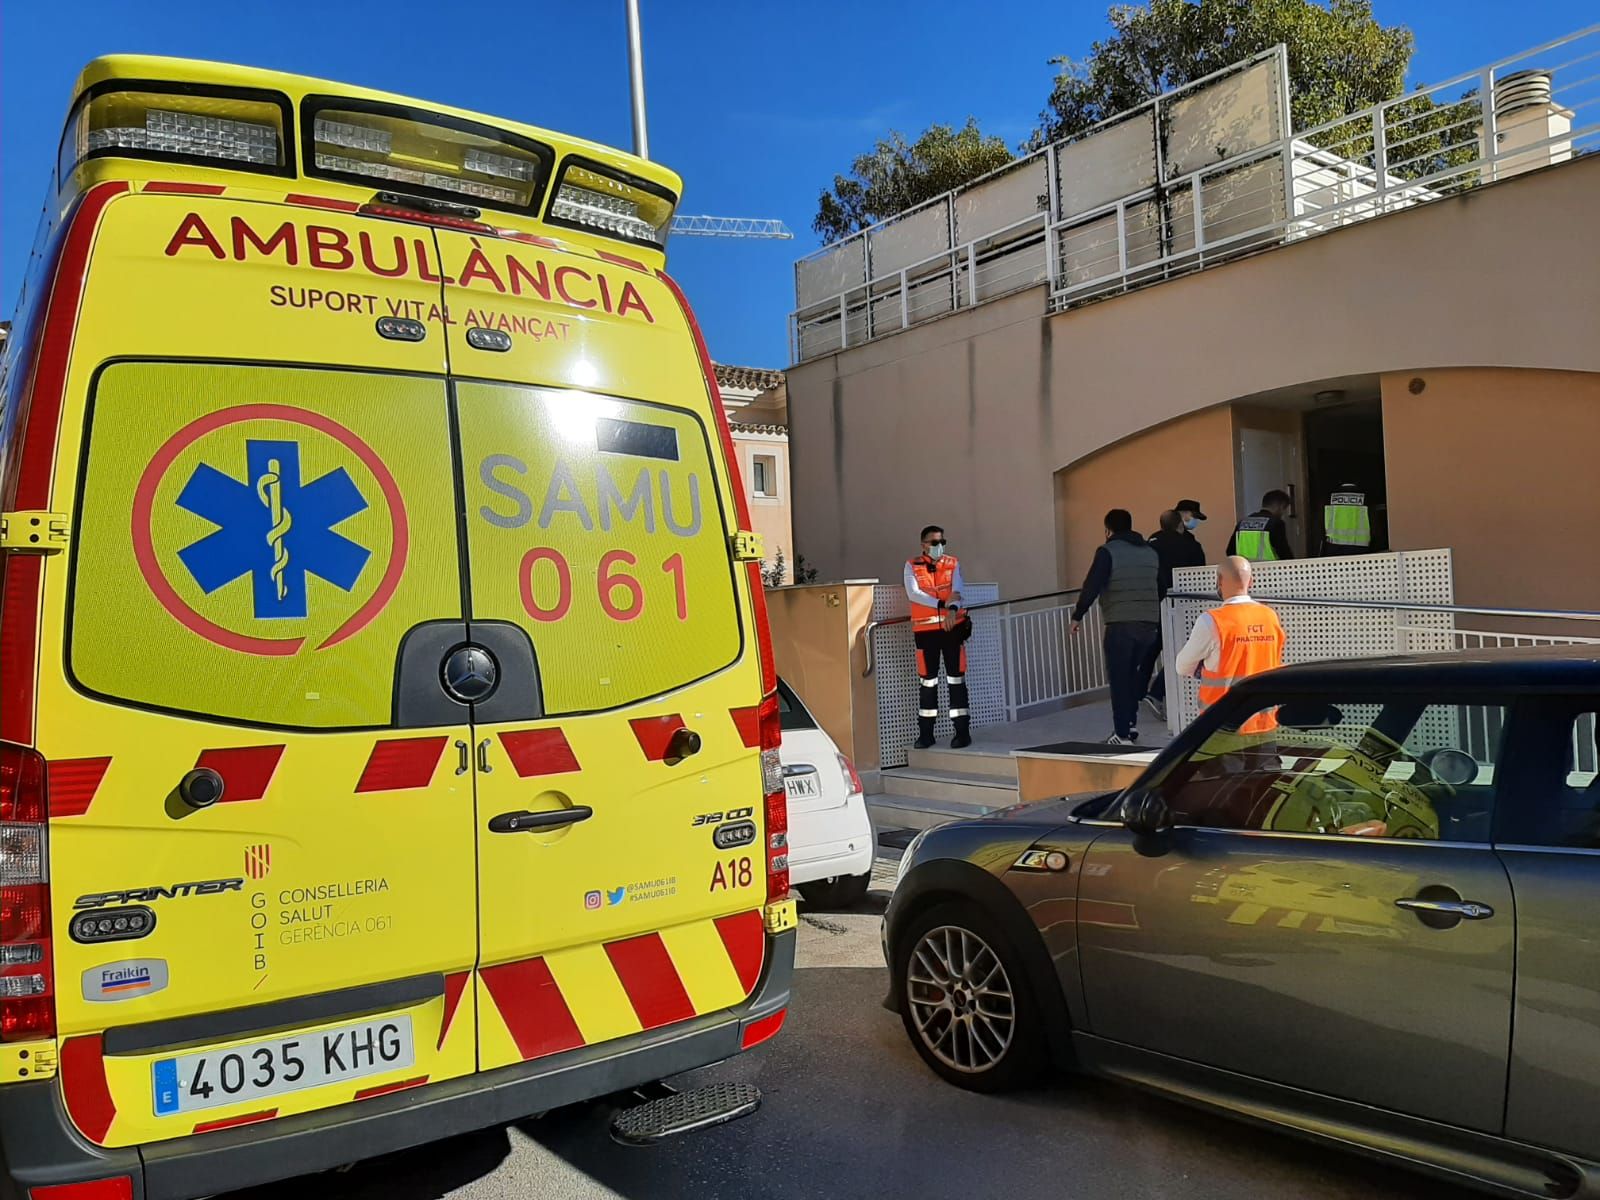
(1533, 109)
(1047, 666)
(1043, 665)
(1479, 639)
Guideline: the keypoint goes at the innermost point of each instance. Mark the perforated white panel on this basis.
(1317, 632)
(896, 673)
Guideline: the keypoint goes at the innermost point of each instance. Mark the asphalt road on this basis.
(850, 1111)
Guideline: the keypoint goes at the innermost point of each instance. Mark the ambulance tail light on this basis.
(27, 1002)
(205, 127)
(602, 200)
(425, 154)
(777, 800)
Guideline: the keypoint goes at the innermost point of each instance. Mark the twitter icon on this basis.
(615, 897)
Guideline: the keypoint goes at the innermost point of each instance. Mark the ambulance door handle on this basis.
(464, 759)
(483, 757)
(519, 822)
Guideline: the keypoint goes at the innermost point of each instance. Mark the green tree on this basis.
(896, 175)
(1341, 60)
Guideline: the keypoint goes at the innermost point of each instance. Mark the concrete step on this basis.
(959, 786)
(975, 760)
(916, 812)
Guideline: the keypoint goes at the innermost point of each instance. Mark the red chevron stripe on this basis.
(745, 938)
(651, 981)
(401, 763)
(655, 734)
(84, 1087)
(246, 770)
(453, 987)
(73, 784)
(539, 752)
(532, 1007)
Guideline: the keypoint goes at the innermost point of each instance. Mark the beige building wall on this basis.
(1190, 458)
(1504, 467)
(966, 421)
(772, 515)
(817, 637)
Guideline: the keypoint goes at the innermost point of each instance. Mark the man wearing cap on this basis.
(1175, 547)
(1189, 513)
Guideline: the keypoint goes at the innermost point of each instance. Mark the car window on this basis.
(1355, 766)
(289, 526)
(596, 525)
(1560, 799)
(791, 713)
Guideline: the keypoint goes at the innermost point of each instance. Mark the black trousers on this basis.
(1127, 645)
(936, 648)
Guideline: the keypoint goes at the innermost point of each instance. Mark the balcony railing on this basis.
(1042, 220)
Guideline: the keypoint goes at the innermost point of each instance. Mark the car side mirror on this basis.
(1145, 813)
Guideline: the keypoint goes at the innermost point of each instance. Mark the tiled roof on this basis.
(754, 379)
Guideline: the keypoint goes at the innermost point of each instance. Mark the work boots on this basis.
(924, 733)
(963, 738)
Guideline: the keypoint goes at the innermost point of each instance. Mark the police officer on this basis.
(940, 627)
(1346, 524)
(1262, 536)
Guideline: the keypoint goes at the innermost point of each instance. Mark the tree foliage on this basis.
(1341, 60)
(898, 174)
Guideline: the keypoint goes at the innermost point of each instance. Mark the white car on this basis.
(831, 841)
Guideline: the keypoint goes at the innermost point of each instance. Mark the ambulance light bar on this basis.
(425, 153)
(199, 127)
(592, 198)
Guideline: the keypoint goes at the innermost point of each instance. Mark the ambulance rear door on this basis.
(619, 800)
(261, 588)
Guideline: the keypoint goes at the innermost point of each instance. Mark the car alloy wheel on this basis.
(961, 1000)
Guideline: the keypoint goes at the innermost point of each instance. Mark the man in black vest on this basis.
(1123, 579)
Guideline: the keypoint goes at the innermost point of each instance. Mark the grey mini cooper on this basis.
(1359, 901)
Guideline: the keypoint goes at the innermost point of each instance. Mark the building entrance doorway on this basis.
(1344, 447)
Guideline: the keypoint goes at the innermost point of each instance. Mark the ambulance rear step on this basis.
(676, 1112)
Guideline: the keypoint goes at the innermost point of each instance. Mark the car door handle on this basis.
(1471, 910)
(524, 822)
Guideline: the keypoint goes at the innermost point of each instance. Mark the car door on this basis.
(264, 547)
(1302, 921)
(1550, 842)
(617, 745)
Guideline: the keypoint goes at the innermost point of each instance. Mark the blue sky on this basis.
(757, 104)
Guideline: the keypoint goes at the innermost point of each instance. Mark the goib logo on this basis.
(247, 472)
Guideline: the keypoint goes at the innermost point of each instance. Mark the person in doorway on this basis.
(1239, 638)
(1123, 580)
(940, 627)
(1263, 536)
(1346, 524)
(1175, 547)
(1189, 513)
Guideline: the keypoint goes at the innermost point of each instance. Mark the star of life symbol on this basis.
(273, 528)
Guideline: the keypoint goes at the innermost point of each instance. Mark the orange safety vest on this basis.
(937, 579)
(1251, 640)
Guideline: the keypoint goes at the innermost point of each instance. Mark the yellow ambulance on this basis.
(388, 718)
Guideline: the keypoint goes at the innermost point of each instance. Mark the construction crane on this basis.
(738, 227)
(729, 227)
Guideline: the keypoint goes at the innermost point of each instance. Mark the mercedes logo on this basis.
(470, 674)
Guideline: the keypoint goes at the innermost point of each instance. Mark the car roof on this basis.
(1552, 668)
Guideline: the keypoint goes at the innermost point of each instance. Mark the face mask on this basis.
(936, 552)
(1191, 523)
